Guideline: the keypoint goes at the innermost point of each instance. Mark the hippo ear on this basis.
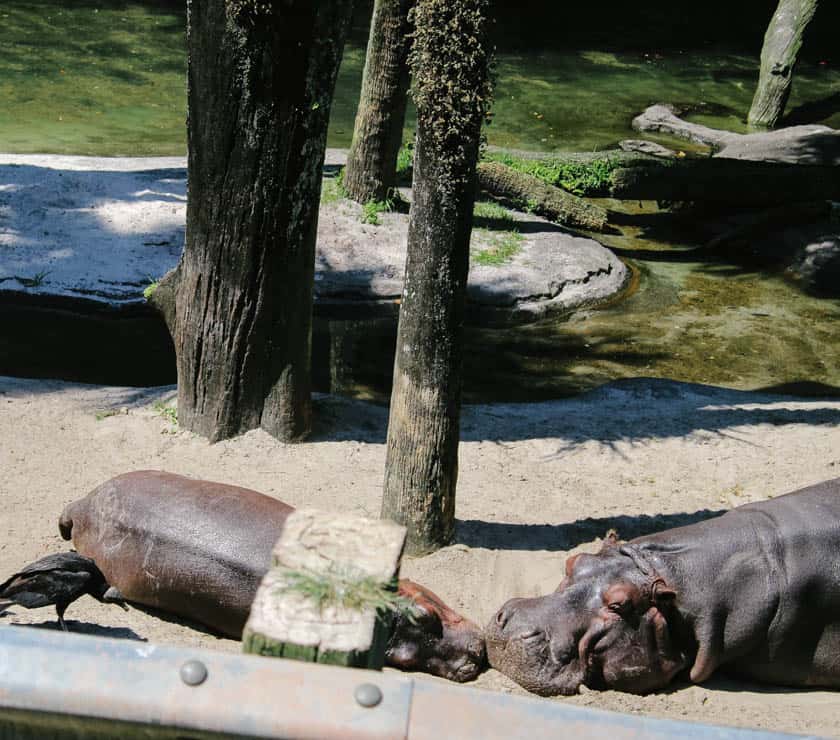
(570, 564)
(611, 539)
(621, 597)
(663, 595)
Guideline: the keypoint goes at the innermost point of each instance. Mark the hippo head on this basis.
(609, 625)
(434, 639)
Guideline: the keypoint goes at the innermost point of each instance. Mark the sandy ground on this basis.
(537, 481)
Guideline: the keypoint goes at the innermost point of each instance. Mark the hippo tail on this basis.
(65, 522)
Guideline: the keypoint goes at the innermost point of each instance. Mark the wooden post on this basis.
(321, 601)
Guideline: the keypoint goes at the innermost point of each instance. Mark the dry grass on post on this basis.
(331, 592)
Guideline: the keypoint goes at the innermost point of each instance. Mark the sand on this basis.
(537, 481)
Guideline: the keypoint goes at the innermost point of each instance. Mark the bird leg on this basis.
(59, 610)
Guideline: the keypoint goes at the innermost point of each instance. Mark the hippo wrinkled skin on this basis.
(755, 592)
(199, 550)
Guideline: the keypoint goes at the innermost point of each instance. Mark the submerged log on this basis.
(531, 193)
(725, 181)
(770, 220)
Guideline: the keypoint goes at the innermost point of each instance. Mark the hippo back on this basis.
(191, 547)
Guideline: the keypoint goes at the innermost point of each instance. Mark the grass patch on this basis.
(372, 209)
(501, 249)
(346, 588)
(497, 229)
(170, 413)
(580, 178)
(405, 160)
(150, 289)
(36, 281)
(100, 415)
(332, 190)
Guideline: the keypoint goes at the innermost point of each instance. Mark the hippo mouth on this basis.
(539, 664)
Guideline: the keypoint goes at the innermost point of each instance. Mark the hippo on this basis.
(199, 549)
(754, 592)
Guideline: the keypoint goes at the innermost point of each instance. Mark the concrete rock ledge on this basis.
(89, 233)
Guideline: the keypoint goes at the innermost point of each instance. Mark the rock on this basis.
(647, 147)
(805, 145)
(816, 264)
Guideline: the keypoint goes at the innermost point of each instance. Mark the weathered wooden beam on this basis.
(326, 598)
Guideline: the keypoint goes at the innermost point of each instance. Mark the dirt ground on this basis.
(536, 482)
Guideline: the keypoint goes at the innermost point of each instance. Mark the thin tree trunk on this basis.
(261, 78)
(778, 60)
(371, 172)
(450, 68)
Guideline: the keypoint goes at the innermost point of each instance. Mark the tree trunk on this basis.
(371, 172)
(261, 78)
(449, 63)
(778, 59)
(527, 192)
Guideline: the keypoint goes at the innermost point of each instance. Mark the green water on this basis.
(107, 77)
(690, 315)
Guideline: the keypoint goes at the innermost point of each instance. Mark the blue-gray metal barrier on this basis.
(55, 685)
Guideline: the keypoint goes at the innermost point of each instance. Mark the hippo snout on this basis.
(525, 644)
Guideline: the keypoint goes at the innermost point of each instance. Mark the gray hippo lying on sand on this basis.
(199, 550)
(755, 592)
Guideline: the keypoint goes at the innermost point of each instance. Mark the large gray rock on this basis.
(98, 230)
(807, 145)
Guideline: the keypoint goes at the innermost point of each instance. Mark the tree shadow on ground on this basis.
(620, 414)
(553, 537)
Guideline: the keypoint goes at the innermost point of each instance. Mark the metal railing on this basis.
(55, 685)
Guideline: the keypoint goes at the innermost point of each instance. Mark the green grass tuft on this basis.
(501, 249)
(497, 229)
(347, 588)
(372, 209)
(331, 191)
(405, 159)
(170, 413)
(36, 281)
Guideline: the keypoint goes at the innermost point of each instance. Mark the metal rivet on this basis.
(193, 672)
(368, 695)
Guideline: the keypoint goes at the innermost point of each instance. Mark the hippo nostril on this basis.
(502, 617)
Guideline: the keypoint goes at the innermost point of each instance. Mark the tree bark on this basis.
(449, 63)
(371, 171)
(528, 192)
(782, 43)
(260, 84)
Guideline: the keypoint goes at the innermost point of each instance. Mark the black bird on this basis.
(57, 579)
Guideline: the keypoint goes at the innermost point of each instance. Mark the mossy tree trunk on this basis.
(782, 43)
(371, 172)
(261, 79)
(449, 64)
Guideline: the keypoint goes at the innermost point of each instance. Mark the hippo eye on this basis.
(620, 607)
